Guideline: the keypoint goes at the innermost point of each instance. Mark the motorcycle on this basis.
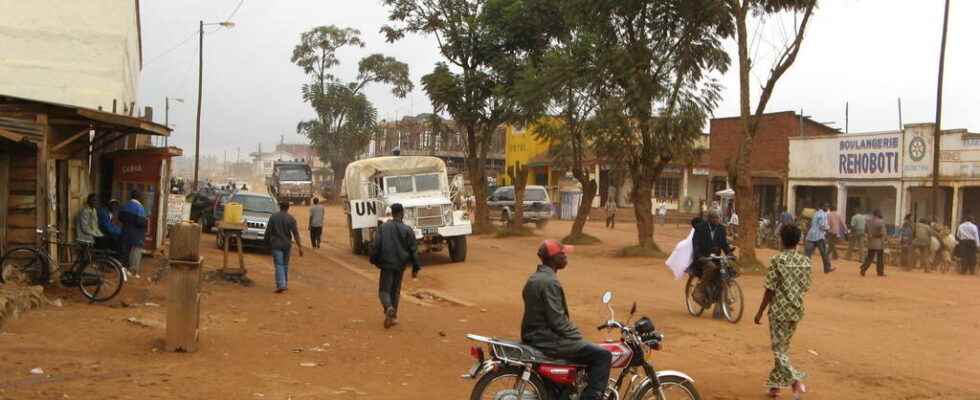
(515, 371)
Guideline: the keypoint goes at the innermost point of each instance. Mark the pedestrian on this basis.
(786, 218)
(969, 240)
(787, 281)
(662, 212)
(857, 242)
(906, 239)
(611, 213)
(110, 227)
(875, 229)
(922, 239)
(316, 223)
(816, 238)
(87, 222)
(280, 232)
(393, 248)
(133, 217)
(838, 231)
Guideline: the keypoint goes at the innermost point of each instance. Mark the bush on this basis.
(581, 240)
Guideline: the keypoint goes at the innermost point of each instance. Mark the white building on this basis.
(890, 171)
(83, 53)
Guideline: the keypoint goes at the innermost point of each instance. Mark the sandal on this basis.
(798, 389)
(773, 393)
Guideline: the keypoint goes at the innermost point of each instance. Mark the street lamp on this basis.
(200, 83)
(166, 117)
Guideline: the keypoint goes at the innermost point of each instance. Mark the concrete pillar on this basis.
(791, 198)
(684, 181)
(957, 205)
(842, 198)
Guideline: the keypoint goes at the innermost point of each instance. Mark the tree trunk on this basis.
(518, 175)
(339, 170)
(744, 193)
(643, 208)
(478, 181)
(589, 189)
(748, 215)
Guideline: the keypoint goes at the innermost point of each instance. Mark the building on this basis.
(430, 135)
(770, 170)
(890, 171)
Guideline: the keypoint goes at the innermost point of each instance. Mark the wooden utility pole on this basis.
(937, 135)
(200, 89)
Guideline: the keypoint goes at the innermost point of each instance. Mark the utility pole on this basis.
(937, 135)
(200, 85)
(166, 119)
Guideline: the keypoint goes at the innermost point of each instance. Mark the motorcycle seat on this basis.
(531, 354)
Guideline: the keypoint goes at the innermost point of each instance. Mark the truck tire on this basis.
(457, 249)
(356, 238)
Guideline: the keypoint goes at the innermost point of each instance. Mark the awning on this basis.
(69, 115)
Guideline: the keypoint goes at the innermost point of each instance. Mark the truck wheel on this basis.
(541, 223)
(457, 249)
(357, 242)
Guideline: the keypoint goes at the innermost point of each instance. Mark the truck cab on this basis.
(291, 181)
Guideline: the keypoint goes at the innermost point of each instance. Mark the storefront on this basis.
(148, 172)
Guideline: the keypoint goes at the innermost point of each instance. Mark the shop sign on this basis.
(869, 156)
(700, 172)
(131, 169)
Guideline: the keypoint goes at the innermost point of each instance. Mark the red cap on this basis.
(552, 247)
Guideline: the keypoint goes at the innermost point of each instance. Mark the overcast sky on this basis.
(866, 52)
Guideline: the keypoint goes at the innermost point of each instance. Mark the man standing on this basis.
(109, 225)
(786, 218)
(816, 238)
(316, 223)
(969, 240)
(87, 223)
(922, 240)
(133, 217)
(611, 212)
(906, 242)
(876, 244)
(280, 232)
(838, 231)
(856, 244)
(393, 248)
(547, 326)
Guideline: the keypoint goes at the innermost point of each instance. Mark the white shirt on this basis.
(968, 230)
(734, 220)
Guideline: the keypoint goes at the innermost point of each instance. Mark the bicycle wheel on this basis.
(101, 280)
(693, 307)
(24, 266)
(732, 302)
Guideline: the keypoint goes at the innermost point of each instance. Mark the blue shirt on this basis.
(818, 227)
(106, 225)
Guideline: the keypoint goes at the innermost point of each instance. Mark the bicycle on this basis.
(98, 274)
(726, 293)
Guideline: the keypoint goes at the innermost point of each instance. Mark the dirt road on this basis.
(907, 336)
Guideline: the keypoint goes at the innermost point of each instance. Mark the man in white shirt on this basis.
(968, 239)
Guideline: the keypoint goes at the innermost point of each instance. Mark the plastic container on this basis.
(233, 213)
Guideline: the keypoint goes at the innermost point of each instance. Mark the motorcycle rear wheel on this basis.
(674, 388)
(693, 307)
(501, 384)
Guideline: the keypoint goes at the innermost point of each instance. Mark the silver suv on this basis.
(537, 204)
(257, 208)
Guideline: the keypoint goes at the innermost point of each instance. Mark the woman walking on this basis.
(787, 282)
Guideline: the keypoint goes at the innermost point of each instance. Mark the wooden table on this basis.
(231, 231)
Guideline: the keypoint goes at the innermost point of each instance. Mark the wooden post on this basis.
(183, 305)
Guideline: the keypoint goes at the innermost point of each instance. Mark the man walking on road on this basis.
(922, 235)
(279, 235)
(968, 242)
(838, 231)
(817, 238)
(316, 223)
(393, 248)
(857, 234)
(876, 244)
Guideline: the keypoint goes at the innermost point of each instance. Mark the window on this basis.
(427, 183)
(260, 204)
(504, 194)
(398, 184)
(535, 194)
(294, 174)
(667, 187)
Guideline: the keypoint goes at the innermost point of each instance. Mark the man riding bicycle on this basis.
(709, 239)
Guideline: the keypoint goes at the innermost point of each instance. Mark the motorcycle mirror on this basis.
(607, 297)
(633, 310)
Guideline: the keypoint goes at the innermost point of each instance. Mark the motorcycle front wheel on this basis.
(672, 387)
(503, 384)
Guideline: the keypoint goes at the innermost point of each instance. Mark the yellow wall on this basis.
(522, 146)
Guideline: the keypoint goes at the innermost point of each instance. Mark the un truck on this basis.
(421, 186)
(291, 181)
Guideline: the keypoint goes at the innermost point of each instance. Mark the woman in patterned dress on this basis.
(787, 281)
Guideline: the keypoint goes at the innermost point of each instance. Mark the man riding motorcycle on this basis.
(709, 238)
(546, 324)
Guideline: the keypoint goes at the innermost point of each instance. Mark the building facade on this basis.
(429, 135)
(891, 171)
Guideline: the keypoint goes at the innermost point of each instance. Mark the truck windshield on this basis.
(294, 174)
(427, 183)
(409, 184)
(536, 194)
(260, 204)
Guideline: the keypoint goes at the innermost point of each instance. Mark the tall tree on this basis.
(346, 118)
(474, 83)
(741, 173)
(658, 57)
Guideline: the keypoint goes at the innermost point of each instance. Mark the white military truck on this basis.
(421, 185)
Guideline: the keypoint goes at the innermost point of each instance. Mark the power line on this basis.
(170, 50)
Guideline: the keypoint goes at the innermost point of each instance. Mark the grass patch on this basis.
(641, 251)
(507, 231)
(583, 239)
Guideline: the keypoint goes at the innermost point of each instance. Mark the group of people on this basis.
(119, 229)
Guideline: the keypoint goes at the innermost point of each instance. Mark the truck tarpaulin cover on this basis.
(361, 172)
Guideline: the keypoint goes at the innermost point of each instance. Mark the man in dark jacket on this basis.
(709, 238)
(393, 248)
(134, 223)
(547, 327)
(280, 232)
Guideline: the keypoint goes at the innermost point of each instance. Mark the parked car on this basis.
(257, 208)
(537, 204)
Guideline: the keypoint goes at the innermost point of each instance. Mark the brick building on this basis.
(770, 161)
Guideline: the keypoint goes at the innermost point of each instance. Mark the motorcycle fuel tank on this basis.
(560, 374)
(621, 353)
